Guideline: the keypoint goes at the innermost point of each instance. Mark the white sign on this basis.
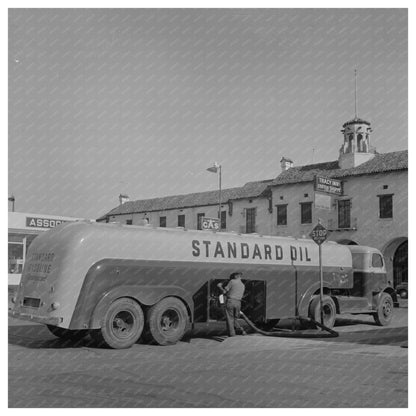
(322, 201)
(210, 223)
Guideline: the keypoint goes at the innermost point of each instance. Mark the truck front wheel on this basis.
(167, 321)
(122, 324)
(329, 310)
(384, 312)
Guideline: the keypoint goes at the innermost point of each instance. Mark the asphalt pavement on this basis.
(366, 366)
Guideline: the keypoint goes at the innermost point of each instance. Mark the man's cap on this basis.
(235, 274)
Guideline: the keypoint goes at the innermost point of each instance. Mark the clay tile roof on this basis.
(382, 162)
(249, 190)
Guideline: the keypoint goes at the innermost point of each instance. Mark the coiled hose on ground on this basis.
(295, 334)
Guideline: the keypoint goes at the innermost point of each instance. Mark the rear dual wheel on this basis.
(122, 325)
(168, 321)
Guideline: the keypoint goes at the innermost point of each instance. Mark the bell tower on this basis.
(356, 148)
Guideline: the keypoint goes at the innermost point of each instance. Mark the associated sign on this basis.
(210, 223)
(319, 234)
(328, 185)
(37, 222)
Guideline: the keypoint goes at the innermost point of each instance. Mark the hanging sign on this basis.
(210, 223)
(328, 185)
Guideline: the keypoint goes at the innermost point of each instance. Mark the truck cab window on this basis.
(358, 261)
(377, 260)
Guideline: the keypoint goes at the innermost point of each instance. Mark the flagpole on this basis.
(219, 198)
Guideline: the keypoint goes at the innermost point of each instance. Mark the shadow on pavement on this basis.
(382, 336)
(38, 336)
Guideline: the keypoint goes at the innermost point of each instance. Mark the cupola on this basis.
(356, 148)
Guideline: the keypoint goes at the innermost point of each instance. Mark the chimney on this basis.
(286, 163)
(123, 198)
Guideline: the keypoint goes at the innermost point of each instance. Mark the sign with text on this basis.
(328, 185)
(210, 223)
(37, 222)
(319, 234)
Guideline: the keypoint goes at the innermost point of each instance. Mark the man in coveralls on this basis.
(234, 291)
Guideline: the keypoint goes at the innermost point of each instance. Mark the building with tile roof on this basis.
(188, 210)
(369, 208)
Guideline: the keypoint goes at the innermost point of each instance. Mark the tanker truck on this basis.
(119, 283)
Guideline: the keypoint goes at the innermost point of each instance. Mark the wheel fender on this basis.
(145, 295)
(306, 297)
(377, 296)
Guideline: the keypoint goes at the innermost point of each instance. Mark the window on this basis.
(250, 220)
(386, 206)
(199, 220)
(129, 222)
(306, 213)
(358, 262)
(18, 246)
(281, 214)
(223, 220)
(162, 221)
(181, 220)
(377, 260)
(15, 257)
(344, 213)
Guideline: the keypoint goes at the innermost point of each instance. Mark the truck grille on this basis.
(31, 302)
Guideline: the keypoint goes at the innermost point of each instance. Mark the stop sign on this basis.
(319, 234)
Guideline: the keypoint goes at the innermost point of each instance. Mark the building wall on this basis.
(237, 221)
(153, 217)
(292, 195)
(234, 222)
(366, 226)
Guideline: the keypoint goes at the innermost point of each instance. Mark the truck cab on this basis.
(370, 283)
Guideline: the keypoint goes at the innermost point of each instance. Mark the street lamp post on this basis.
(216, 168)
(12, 199)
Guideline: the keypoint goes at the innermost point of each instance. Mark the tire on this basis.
(329, 310)
(168, 320)
(384, 312)
(67, 334)
(122, 324)
(403, 293)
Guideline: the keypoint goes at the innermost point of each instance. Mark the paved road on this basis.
(366, 366)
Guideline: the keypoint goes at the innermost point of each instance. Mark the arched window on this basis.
(360, 144)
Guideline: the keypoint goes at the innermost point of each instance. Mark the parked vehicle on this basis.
(116, 281)
(401, 290)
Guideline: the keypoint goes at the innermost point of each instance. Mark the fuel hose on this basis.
(330, 333)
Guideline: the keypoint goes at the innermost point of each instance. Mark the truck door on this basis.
(376, 279)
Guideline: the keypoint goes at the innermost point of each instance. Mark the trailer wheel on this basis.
(167, 321)
(67, 334)
(122, 324)
(384, 312)
(329, 310)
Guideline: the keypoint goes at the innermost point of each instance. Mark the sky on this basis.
(143, 101)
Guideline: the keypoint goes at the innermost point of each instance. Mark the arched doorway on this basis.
(400, 265)
(396, 255)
